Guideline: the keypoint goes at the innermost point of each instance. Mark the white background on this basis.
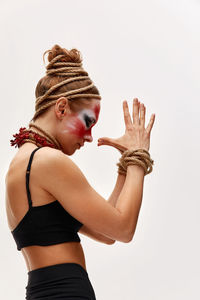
(148, 49)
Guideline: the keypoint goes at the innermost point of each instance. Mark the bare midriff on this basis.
(43, 256)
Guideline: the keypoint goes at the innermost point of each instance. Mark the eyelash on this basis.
(88, 120)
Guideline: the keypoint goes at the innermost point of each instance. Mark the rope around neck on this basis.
(49, 137)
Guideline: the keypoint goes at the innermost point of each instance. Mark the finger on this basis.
(135, 112)
(102, 142)
(106, 141)
(111, 142)
(142, 115)
(151, 122)
(103, 139)
(127, 117)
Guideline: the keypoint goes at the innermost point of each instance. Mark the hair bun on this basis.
(65, 77)
(72, 55)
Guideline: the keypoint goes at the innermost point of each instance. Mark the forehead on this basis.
(91, 109)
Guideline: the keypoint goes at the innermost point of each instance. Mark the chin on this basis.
(70, 151)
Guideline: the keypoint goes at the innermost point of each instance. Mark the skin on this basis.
(58, 122)
(69, 128)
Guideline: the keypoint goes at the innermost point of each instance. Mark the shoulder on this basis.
(54, 157)
(47, 155)
(54, 162)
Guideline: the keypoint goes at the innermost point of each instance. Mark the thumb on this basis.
(116, 143)
(104, 140)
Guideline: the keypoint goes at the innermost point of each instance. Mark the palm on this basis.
(136, 135)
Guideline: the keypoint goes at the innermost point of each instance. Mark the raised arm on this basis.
(117, 189)
(61, 177)
(111, 200)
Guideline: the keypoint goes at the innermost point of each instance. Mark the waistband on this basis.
(66, 270)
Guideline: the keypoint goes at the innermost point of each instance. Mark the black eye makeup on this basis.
(89, 120)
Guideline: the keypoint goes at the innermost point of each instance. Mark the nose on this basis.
(88, 138)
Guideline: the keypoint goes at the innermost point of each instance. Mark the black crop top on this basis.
(45, 225)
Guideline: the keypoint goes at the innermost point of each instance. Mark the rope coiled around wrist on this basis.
(140, 157)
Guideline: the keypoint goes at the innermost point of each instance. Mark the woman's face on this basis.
(77, 126)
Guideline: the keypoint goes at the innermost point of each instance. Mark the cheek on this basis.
(76, 127)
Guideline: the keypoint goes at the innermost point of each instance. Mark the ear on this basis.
(62, 107)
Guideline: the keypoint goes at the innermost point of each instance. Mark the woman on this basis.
(49, 200)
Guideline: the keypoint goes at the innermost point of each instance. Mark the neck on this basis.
(45, 128)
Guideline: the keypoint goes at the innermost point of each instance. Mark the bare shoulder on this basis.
(55, 162)
(62, 177)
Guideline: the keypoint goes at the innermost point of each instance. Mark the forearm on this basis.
(96, 235)
(117, 189)
(130, 198)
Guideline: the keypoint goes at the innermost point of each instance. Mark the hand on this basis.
(116, 143)
(136, 136)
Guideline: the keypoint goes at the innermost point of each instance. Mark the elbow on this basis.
(110, 242)
(128, 239)
(128, 236)
(124, 238)
(123, 233)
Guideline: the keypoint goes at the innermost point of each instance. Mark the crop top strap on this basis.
(28, 175)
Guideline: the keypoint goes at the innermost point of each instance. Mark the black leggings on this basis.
(61, 281)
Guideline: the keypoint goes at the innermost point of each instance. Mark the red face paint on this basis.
(83, 121)
(96, 111)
